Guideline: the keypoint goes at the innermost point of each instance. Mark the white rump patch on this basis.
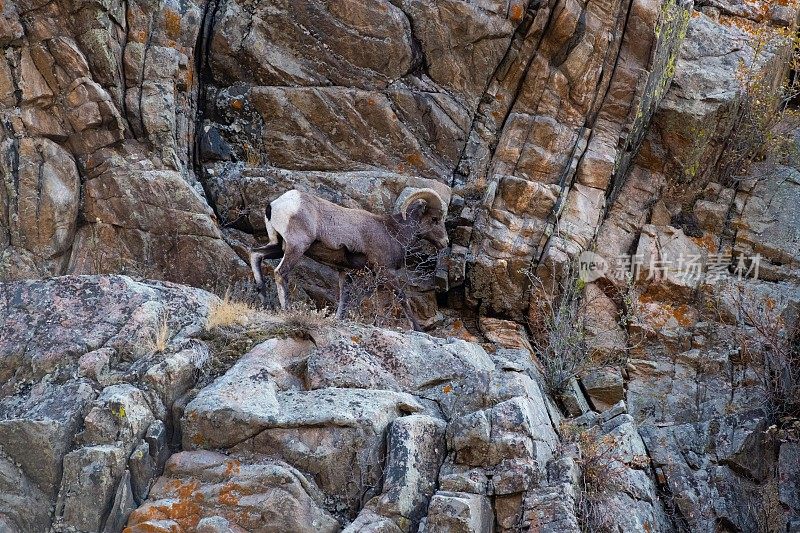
(283, 209)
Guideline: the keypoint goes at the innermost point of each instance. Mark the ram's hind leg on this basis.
(255, 265)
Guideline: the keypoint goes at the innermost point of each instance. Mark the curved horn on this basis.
(429, 195)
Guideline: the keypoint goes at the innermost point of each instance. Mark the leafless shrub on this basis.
(772, 349)
(603, 473)
(764, 102)
(764, 508)
(558, 330)
(558, 327)
(369, 294)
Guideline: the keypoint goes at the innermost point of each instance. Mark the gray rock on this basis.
(459, 512)
(700, 464)
(23, 506)
(789, 477)
(573, 399)
(120, 415)
(768, 224)
(121, 507)
(470, 437)
(142, 470)
(176, 373)
(416, 449)
(551, 509)
(37, 431)
(514, 476)
(318, 431)
(369, 522)
(459, 478)
(604, 386)
(156, 439)
(91, 478)
(258, 495)
(240, 404)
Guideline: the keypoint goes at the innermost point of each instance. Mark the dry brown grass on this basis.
(299, 321)
(229, 312)
(237, 315)
(602, 474)
(234, 327)
(155, 339)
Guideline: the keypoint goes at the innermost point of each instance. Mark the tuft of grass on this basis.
(300, 321)
(229, 312)
(155, 339)
(234, 327)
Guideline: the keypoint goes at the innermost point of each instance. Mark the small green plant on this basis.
(764, 102)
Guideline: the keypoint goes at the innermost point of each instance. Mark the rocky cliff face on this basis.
(144, 138)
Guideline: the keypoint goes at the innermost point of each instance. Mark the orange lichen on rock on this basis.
(683, 314)
(517, 12)
(230, 493)
(708, 241)
(233, 467)
(172, 23)
(184, 507)
(414, 159)
(661, 314)
(154, 527)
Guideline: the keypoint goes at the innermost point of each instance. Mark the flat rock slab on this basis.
(337, 435)
(209, 487)
(49, 324)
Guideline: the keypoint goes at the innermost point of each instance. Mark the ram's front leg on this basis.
(256, 259)
(397, 287)
(342, 306)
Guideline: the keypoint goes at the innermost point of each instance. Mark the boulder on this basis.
(37, 431)
(23, 506)
(604, 386)
(319, 431)
(769, 226)
(90, 482)
(259, 495)
(120, 415)
(459, 512)
(416, 449)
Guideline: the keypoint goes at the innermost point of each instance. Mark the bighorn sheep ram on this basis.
(300, 223)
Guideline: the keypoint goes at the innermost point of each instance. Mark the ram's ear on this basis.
(416, 210)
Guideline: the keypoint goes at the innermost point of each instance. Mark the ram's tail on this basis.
(274, 238)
